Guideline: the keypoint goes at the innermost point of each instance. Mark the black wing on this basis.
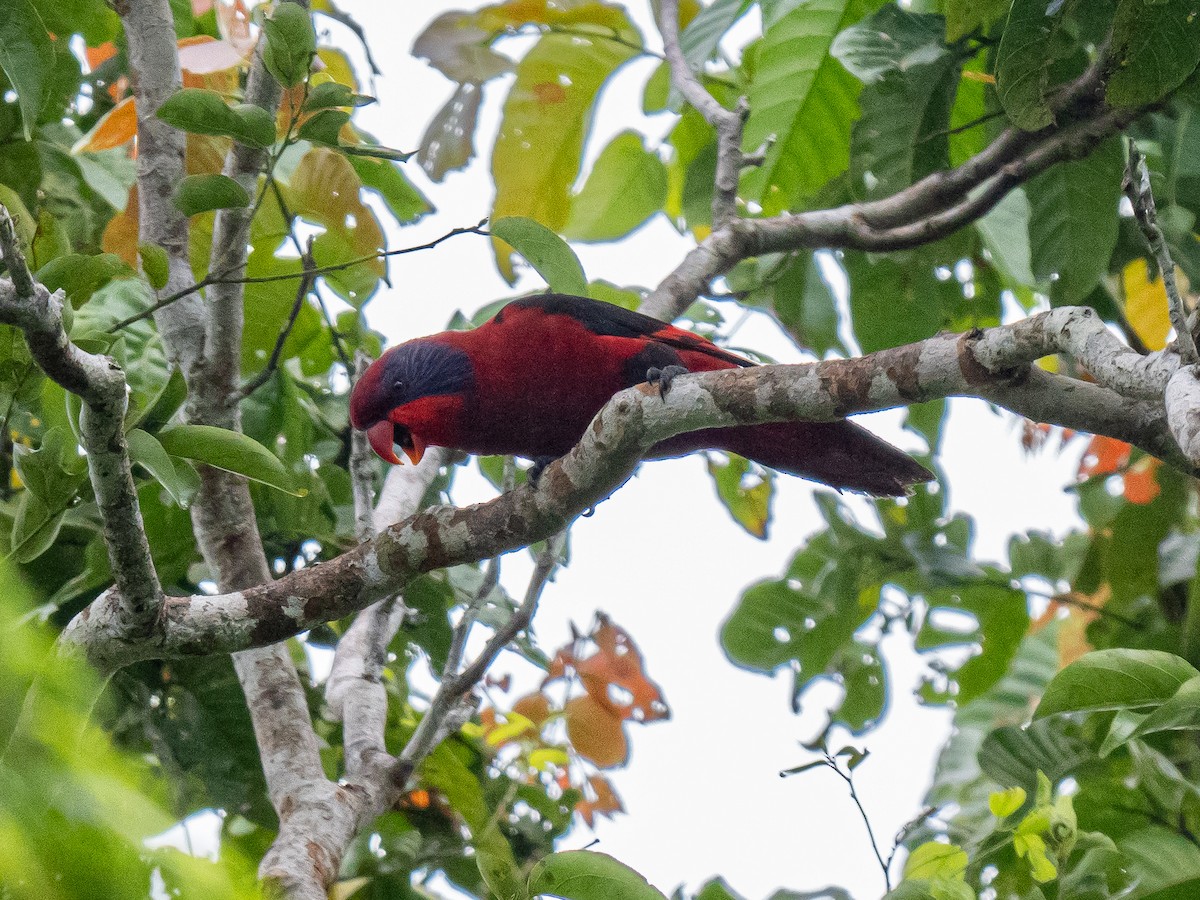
(611, 320)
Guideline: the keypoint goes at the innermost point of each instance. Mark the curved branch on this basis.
(994, 365)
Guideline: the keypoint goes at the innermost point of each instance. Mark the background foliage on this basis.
(1070, 665)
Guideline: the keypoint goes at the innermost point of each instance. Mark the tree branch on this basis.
(155, 76)
(1137, 189)
(100, 383)
(728, 123)
(449, 704)
(994, 365)
(934, 207)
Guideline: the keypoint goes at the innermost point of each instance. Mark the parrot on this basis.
(528, 382)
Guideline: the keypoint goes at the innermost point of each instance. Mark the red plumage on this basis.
(528, 381)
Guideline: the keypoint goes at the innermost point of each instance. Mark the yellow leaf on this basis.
(544, 757)
(539, 149)
(1146, 304)
(343, 890)
(1005, 803)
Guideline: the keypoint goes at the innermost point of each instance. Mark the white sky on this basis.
(665, 561)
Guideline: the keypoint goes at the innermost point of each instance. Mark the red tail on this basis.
(840, 454)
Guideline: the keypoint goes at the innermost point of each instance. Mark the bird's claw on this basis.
(663, 377)
(534, 473)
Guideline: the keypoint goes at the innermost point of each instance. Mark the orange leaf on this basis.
(116, 127)
(535, 707)
(602, 802)
(97, 56)
(121, 233)
(1104, 456)
(615, 677)
(595, 732)
(233, 24)
(1141, 483)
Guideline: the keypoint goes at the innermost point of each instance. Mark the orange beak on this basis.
(416, 451)
(380, 437)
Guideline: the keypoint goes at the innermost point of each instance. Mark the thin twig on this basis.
(491, 577)
(221, 278)
(277, 351)
(848, 777)
(451, 692)
(728, 123)
(1138, 190)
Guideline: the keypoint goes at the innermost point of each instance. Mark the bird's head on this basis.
(405, 396)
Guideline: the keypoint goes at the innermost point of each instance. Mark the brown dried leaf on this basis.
(596, 732)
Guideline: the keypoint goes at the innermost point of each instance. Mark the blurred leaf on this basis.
(80, 276)
(548, 112)
(290, 43)
(201, 193)
(891, 40)
(1006, 234)
(627, 185)
(596, 732)
(1155, 47)
(206, 112)
(1023, 61)
(746, 496)
(892, 304)
(934, 859)
(588, 875)
(1164, 865)
(964, 16)
(228, 450)
(26, 55)
(1117, 678)
(449, 140)
(549, 254)
(116, 128)
(803, 98)
(400, 195)
(155, 263)
(1146, 305)
(1072, 223)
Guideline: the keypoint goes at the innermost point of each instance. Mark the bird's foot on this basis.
(663, 377)
(534, 473)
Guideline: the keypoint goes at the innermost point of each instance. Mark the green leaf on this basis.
(35, 528)
(330, 94)
(548, 112)
(1073, 221)
(202, 111)
(291, 43)
(1164, 865)
(26, 56)
(549, 254)
(146, 451)
(901, 135)
(323, 128)
(746, 496)
(587, 875)
(893, 304)
(1023, 62)
(201, 193)
(806, 305)
(228, 450)
(803, 98)
(1155, 47)
(1005, 232)
(627, 185)
(48, 472)
(1179, 713)
(934, 859)
(80, 276)
(964, 16)
(158, 412)
(155, 264)
(400, 195)
(700, 39)
(1115, 679)
(375, 151)
(891, 40)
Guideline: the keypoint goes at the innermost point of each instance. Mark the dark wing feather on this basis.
(615, 321)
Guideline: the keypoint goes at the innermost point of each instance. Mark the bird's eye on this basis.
(398, 385)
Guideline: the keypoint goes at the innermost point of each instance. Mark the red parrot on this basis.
(529, 380)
